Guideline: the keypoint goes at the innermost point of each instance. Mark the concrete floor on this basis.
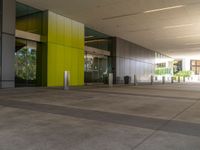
(158, 117)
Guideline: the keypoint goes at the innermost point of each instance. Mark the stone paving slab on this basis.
(158, 117)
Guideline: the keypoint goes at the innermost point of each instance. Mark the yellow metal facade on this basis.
(65, 50)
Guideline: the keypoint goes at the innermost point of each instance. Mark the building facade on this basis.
(38, 46)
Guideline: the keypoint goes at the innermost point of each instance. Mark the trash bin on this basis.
(127, 79)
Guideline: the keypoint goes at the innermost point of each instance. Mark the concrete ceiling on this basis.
(171, 27)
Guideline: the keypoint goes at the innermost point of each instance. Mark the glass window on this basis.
(195, 66)
(25, 63)
(96, 68)
(28, 19)
(194, 69)
(198, 63)
(193, 62)
(198, 71)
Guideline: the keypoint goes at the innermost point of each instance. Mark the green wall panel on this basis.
(30, 23)
(65, 50)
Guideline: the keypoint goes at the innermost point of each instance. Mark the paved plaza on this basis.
(158, 117)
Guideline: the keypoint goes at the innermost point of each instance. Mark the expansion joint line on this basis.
(165, 124)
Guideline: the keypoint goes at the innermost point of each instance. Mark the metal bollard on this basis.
(66, 80)
(163, 80)
(110, 79)
(172, 79)
(179, 79)
(183, 79)
(135, 80)
(152, 77)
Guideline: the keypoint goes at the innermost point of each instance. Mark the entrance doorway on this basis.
(25, 63)
(96, 68)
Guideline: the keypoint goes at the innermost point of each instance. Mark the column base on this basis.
(7, 84)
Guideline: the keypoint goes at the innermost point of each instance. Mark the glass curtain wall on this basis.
(28, 19)
(97, 64)
(25, 63)
(30, 56)
(96, 68)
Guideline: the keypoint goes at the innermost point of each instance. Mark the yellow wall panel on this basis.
(52, 25)
(60, 64)
(68, 32)
(81, 36)
(51, 65)
(60, 30)
(67, 53)
(65, 50)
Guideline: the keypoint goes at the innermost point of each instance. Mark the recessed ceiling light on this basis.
(187, 36)
(178, 37)
(197, 43)
(177, 26)
(90, 36)
(165, 8)
(96, 40)
(122, 16)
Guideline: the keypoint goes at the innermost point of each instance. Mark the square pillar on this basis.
(7, 43)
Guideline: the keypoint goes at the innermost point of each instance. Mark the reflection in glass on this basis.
(95, 68)
(25, 63)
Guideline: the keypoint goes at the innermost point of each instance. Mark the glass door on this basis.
(96, 66)
(25, 63)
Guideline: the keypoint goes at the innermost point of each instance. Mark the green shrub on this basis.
(183, 74)
(163, 71)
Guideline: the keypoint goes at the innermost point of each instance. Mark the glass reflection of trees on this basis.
(26, 64)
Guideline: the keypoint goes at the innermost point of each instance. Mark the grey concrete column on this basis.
(7, 43)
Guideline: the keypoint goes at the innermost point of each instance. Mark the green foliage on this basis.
(183, 74)
(26, 64)
(163, 71)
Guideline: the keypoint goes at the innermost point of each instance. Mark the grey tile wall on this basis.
(8, 20)
(7, 43)
(8, 59)
(132, 59)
